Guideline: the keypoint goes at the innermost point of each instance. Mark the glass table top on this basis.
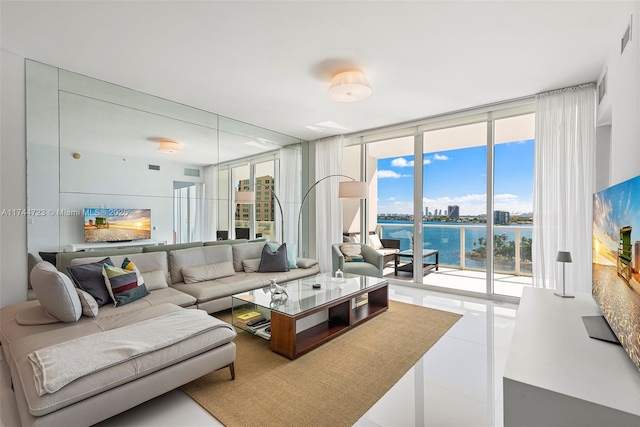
(301, 296)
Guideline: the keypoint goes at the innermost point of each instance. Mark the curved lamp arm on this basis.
(277, 201)
(305, 198)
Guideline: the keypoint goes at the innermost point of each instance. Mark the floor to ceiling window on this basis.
(474, 192)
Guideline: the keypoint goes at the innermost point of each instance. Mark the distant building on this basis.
(636, 258)
(453, 211)
(501, 217)
(264, 203)
(426, 211)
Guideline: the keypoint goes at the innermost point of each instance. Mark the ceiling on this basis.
(269, 63)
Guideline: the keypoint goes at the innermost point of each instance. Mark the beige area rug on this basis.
(333, 385)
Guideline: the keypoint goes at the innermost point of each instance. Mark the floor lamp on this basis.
(247, 197)
(348, 190)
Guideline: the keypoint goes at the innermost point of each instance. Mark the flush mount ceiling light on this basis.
(349, 86)
(170, 147)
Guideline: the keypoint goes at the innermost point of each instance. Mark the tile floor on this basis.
(457, 383)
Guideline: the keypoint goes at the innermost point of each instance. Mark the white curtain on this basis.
(205, 226)
(564, 182)
(289, 189)
(328, 205)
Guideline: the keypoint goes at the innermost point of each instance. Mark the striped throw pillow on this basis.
(128, 265)
(122, 285)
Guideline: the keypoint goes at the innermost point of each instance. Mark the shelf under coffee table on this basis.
(309, 317)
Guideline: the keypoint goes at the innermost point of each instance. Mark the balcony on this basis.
(462, 255)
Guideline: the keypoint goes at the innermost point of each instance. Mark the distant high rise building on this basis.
(453, 211)
(264, 203)
(426, 211)
(501, 217)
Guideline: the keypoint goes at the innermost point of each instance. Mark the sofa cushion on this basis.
(206, 291)
(89, 304)
(306, 262)
(88, 277)
(65, 259)
(55, 292)
(197, 256)
(273, 261)
(352, 252)
(200, 273)
(375, 242)
(156, 279)
(145, 263)
(251, 265)
(123, 285)
(244, 251)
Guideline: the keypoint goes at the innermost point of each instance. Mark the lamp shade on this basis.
(353, 190)
(563, 256)
(245, 197)
(349, 86)
(170, 147)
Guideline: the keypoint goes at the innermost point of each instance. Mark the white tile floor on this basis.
(458, 382)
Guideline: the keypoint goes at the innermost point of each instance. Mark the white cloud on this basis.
(401, 162)
(388, 174)
(426, 161)
(440, 157)
(391, 199)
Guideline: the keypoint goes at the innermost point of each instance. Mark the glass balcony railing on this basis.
(463, 246)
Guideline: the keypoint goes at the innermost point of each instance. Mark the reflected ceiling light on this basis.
(349, 86)
(170, 147)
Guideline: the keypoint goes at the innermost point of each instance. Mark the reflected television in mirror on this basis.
(116, 225)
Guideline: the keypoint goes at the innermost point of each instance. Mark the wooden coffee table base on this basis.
(342, 314)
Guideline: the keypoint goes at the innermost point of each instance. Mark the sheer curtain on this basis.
(564, 182)
(289, 189)
(328, 205)
(205, 226)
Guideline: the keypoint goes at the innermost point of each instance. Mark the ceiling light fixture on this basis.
(349, 86)
(170, 147)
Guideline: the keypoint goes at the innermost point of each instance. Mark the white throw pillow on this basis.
(89, 305)
(374, 241)
(156, 279)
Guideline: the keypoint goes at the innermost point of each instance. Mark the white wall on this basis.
(624, 92)
(13, 181)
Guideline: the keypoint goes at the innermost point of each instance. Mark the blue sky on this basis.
(458, 177)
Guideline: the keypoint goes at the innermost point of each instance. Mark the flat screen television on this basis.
(616, 260)
(116, 225)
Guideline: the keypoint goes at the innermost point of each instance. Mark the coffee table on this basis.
(408, 267)
(308, 317)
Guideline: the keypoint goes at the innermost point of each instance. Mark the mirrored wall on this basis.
(93, 144)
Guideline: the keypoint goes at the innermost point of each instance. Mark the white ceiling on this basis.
(269, 63)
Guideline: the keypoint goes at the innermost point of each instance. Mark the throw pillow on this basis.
(50, 257)
(88, 277)
(128, 265)
(156, 279)
(291, 253)
(122, 285)
(375, 242)
(89, 304)
(55, 292)
(251, 265)
(201, 273)
(352, 252)
(271, 261)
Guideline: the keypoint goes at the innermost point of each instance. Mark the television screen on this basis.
(116, 225)
(616, 260)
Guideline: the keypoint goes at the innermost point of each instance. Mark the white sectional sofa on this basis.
(215, 270)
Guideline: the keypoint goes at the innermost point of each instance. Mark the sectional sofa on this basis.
(200, 275)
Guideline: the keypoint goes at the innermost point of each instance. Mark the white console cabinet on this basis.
(557, 376)
(74, 247)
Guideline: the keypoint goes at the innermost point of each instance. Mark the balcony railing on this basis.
(461, 246)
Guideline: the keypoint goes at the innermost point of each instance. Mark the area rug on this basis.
(333, 385)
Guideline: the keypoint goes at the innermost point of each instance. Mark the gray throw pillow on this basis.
(88, 277)
(56, 293)
(272, 261)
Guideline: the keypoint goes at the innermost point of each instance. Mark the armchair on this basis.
(387, 247)
(371, 266)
